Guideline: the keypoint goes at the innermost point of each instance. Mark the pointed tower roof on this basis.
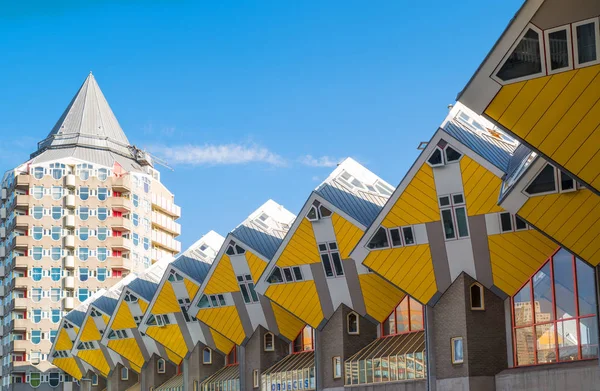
(88, 122)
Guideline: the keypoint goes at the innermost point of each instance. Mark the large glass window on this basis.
(56, 233)
(55, 315)
(38, 172)
(247, 288)
(84, 233)
(84, 213)
(406, 317)
(55, 297)
(83, 294)
(57, 192)
(84, 253)
(37, 233)
(305, 341)
(525, 60)
(555, 313)
(38, 192)
(36, 294)
(545, 182)
(101, 274)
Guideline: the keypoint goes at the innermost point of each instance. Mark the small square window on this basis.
(458, 198)
(457, 350)
(444, 201)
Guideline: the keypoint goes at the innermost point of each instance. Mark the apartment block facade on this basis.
(84, 211)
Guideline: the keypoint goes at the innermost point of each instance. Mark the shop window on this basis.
(352, 323)
(407, 317)
(525, 60)
(161, 365)
(457, 350)
(269, 345)
(337, 367)
(555, 313)
(207, 356)
(305, 341)
(477, 297)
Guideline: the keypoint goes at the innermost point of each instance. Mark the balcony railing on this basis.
(165, 205)
(166, 223)
(166, 241)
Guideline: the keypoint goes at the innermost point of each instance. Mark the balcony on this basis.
(68, 303)
(166, 206)
(4, 193)
(3, 213)
(2, 251)
(20, 283)
(69, 221)
(2, 271)
(19, 346)
(70, 201)
(69, 262)
(69, 282)
(23, 262)
(120, 263)
(122, 184)
(2, 232)
(166, 223)
(22, 200)
(23, 222)
(119, 224)
(22, 181)
(2, 290)
(163, 240)
(20, 303)
(69, 241)
(70, 180)
(119, 243)
(21, 242)
(120, 204)
(18, 324)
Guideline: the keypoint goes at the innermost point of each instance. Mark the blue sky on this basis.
(246, 100)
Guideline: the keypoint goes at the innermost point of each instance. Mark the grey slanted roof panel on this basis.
(495, 151)
(106, 304)
(146, 289)
(173, 384)
(264, 243)
(75, 316)
(521, 153)
(192, 267)
(361, 209)
(98, 156)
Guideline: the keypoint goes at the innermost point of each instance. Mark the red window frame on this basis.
(301, 334)
(394, 314)
(554, 320)
(232, 355)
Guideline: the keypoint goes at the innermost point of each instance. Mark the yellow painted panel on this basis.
(63, 342)
(129, 349)
(169, 336)
(143, 305)
(346, 234)
(302, 247)
(572, 219)
(522, 101)
(123, 318)
(585, 162)
(481, 188)
(380, 296)
(69, 365)
(409, 268)
(223, 278)
(105, 318)
(289, 325)
(90, 331)
(299, 298)
(503, 99)
(96, 359)
(221, 343)
(135, 367)
(418, 202)
(515, 256)
(191, 287)
(257, 266)
(174, 358)
(225, 320)
(166, 302)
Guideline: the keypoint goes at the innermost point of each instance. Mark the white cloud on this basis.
(222, 154)
(322, 161)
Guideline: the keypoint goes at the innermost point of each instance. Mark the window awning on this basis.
(394, 358)
(225, 379)
(173, 384)
(293, 372)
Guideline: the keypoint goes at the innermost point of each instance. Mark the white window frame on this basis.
(124, 371)
(272, 342)
(547, 33)
(357, 332)
(161, 365)
(246, 283)
(513, 223)
(452, 208)
(574, 26)
(510, 51)
(329, 252)
(209, 350)
(255, 379)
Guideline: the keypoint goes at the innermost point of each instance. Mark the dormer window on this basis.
(285, 274)
(211, 301)
(317, 211)
(443, 155)
(392, 237)
(550, 180)
(130, 298)
(174, 276)
(234, 249)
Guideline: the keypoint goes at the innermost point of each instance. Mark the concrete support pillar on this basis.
(85, 384)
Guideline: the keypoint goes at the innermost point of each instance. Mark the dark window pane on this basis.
(245, 293)
(275, 277)
(452, 155)
(525, 60)
(458, 199)
(448, 224)
(586, 43)
(522, 306)
(520, 223)
(586, 288)
(324, 211)
(476, 299)
(312, 213)
(395, 235)
(567, 340)
(389, 325)
(379, 240)
(524, 342)
(253, 292)
(435, 158)
(588, 332)
(506, 222)
(409, 237)
(322, 247)
(566, 182)
(288, 274)
(239, 250)
(444, 201)
(461, 220)
(337, 263)
(298, 273)
(230, 250)
(559, 49)
(544, 182)
(332, 246)
(327, 265)
(564, 285)
(542, 293)
(546, 345)
(213, 301)
(221, 299)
